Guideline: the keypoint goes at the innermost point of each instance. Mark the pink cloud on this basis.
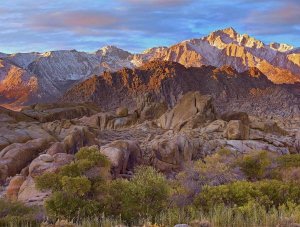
(285, 14)
(157, 2)
(74, 20)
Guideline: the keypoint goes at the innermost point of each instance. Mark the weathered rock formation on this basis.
(124, 155)
(169, 139)
(192, 110)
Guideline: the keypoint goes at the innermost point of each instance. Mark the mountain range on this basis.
(27, 78)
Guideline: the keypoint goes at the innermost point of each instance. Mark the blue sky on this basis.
(134, 25)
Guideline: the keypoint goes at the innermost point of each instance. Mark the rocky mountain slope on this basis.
(57, 71)
(17, 85)
(248, 91)
(279, 62)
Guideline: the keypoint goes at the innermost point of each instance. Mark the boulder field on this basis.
(43, 138)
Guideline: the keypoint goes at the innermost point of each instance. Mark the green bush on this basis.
(116, 201)
(289, 160)
(71, 170)
(48, 181)
(16, 214)
(287, 168)
(63, 205)
(76, 185)
(255, 164)
(86, 158)
(217, 166)
(73, 192)
(93, 155)
(145, 195)
(267, 193)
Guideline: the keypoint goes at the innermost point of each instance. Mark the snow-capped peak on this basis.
(281, 47)
(154, 50)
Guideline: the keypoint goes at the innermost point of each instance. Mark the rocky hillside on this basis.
(249, 91)
(43, 138)
(55, 72)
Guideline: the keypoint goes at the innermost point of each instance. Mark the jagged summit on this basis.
(279, 62)
(154, 50)
(223, 37)
(282, 47)
(111, 49)
(231, 32)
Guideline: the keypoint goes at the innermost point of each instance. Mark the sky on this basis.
(135, 25)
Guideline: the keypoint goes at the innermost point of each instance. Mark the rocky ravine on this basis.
(42, 138)
(44, 77)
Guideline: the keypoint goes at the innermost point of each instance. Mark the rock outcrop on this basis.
(236, 130)
(55, 111)
(124, 155)
(15, 157)
(171, 152)
(107, 120)
(192, 110)
(13, 188)
(148, 108)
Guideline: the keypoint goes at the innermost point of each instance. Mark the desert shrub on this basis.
(145, 195)
(289, 160)
(47, 181)
(237, 193)
(76, 185)
(86, 158)
(16, 214)
(267, 193)
(214, 170)
(93, 155)
(149, 188)
(287, 168)
(116, 201)
(63, 205)
(73, 192)
(255, 164)
(217, 168)
(71, 170)
(291, 174)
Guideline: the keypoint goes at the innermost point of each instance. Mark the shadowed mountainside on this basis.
(248, 91)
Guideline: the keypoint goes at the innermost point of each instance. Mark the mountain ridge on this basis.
(57, 71)
(249, 91)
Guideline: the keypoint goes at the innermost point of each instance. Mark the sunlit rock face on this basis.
(279, 62)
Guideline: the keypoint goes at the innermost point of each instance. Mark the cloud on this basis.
(3, 11)
(155, 3)
(139, 24)
(285, 15)
(283, 18)
(73, 20)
